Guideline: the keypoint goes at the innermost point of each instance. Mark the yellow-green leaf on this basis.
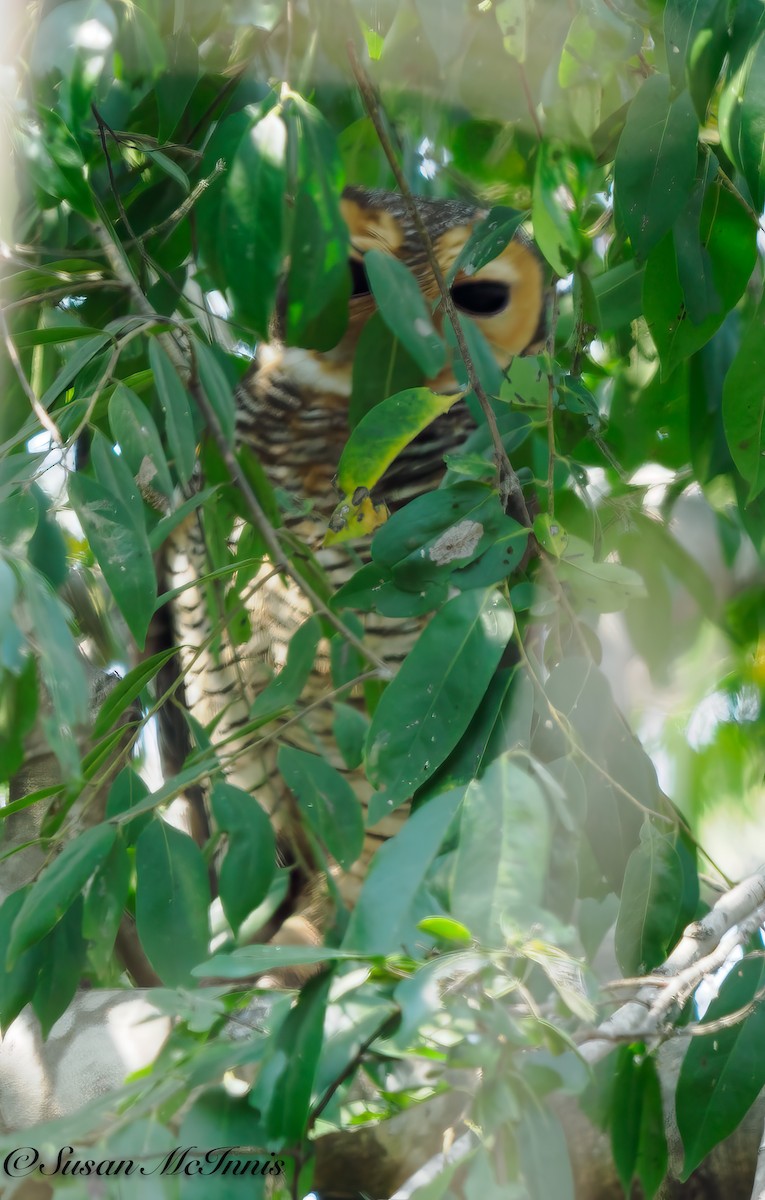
(381, 435)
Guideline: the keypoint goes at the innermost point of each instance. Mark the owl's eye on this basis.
(359, 281)
(481, 297)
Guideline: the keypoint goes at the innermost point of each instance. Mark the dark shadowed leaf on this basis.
(17, 982)
(133, 428)
(725, 253)
(297, 1051)
(649, 904)
(241, 214)
(172, 897)
(655, 163)
(404, 310)
(284, 690)
(723, 1072)
(104, 904)
(250, 860)
(179, 424)
(63, 955)
(381, 368)
(122, 553)
(319, 282)
(427, 707)
(488, 239)
(327, 801)
(744, 405)
(638, 1139)
(58, 886)
(742, 117)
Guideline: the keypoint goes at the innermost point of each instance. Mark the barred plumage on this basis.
(292, 411)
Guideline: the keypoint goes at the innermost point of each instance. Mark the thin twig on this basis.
(45, 420)
(530, 101)
(550, 407)
(510, 489)
(346, 1072)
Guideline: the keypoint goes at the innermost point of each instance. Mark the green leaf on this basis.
(73, 366)
(446, 929)
(372, 587)
(502, 856)
(61, 666)
(723, 1072)
(18, 704)
(249, 961)
(58, 887)
(544, 1155)
(349, 729)
(319, 284)
(404, 310)
(113, 472)
(127, 790)
(606, 586)
(217, 387)
(222, 1122)
(122, 553)
(655, 163)
(427, 707)
(179, 423)
(327, 801)
(283, 691)
(386, 916)
(439, 532)
(742, 118)
(383, 433)
(650, 903)
(743, 406)
(488, 239)
(63, 957)
(250, 860)
(17, 982)
(726, 246)
(47, 549)
(128, 689)
(653, 1154)
(381, 368)
(297, 1051)
(172, 898)
(554, 210)
(104, 904)
(616, 297)
(169, 168)
(240, 215)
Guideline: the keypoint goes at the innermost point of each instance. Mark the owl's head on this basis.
(506, 298)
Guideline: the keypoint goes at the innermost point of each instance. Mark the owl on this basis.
(293, 412)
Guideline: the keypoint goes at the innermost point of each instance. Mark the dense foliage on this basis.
(170, 159)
